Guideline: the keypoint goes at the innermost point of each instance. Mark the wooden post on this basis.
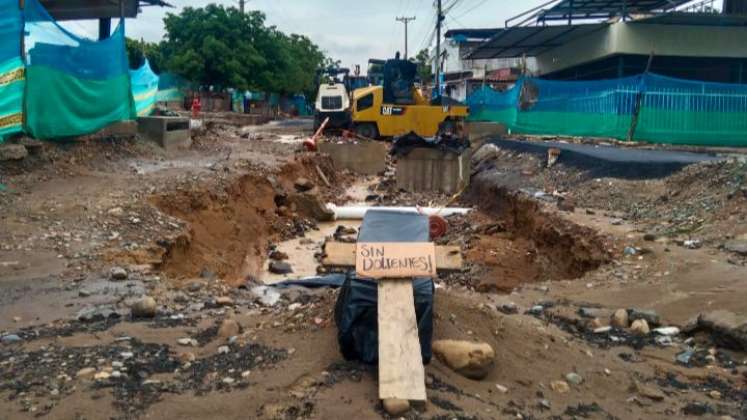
(401, 371)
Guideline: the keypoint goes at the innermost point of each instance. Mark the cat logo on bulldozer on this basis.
(392, 110)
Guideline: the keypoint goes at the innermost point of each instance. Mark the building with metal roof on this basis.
(596, 39)
(101, 10)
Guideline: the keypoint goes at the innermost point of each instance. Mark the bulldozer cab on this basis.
(399, 82)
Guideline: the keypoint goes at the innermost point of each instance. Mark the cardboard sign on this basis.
(395, 259)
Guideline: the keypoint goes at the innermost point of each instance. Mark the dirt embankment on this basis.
(230, 227)
(519, 242)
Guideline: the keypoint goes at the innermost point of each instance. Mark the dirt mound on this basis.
(231, 226)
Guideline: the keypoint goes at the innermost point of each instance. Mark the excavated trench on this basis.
(517, 241)
(231, 226)
(509, 241)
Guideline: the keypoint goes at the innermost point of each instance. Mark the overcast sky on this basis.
(349, 30)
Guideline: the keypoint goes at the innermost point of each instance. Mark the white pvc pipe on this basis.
(357, 212)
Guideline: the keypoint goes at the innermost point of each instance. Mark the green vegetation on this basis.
(425, 71)
(221, 47)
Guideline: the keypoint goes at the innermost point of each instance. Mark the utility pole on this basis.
(439, 18)
(406, 21)
(241, 6)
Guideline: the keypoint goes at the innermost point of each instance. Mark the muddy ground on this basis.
(550, 253)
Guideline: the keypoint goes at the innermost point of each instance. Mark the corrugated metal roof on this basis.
(530, 41)
(594, 9)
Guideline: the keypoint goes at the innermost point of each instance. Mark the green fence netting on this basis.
(75, 86)
(11, 69)
(144, 89)
(170, 88)
(665, 110)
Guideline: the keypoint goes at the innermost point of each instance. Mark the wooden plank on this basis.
(379, 260)
(401, 372)
(342, 254)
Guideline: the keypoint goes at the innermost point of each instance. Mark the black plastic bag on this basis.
(356, 308)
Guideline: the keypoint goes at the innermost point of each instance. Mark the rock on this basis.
(267, 296)
(574, 378)
(10, 339)
(85, 373)
(649, 392)
(667, 331)
(651, 317)
(692, 244)
(12, 152)
(508, 308)
(279, 267)
(228, 380)
(84, 293)
(118, 274)
(396, 407)
(311, 206)
(715, 395)
(596, 324)
(737, 247)
(620, 319)
(194, 286)
(97, 313)
(731, 329)
(229, 328)
(567, 204)
(536, 310)
(502, 389)
(561, 387)
(640, 327)
(602, 330)
(472, 360)
(697, 409)
(589, 312)
(224, 350)
(629, 250)
(278, 256)
(303, 184)
(146, 307)
(102, 376)
(650, 237)
(223, 301)
(486, 152)
(186, 357)
(186, 342)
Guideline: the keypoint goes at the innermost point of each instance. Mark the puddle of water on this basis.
(301, 252)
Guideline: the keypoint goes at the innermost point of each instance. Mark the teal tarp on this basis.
(144, 89)
(11, 69)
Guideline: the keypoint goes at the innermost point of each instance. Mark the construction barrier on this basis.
(646, 107)
(12, 74)
(144, 89)
(75, 86)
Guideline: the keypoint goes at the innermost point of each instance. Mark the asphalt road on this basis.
(615, 161)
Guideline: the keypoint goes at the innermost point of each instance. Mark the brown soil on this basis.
(65, 223)
(231, 227)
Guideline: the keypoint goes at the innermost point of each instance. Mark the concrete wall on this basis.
(454, 62)
(638, 38)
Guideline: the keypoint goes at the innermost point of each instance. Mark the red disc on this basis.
(438, 226)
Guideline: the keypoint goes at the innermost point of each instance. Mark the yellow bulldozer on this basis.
(398, 108)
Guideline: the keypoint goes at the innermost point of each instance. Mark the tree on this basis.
(138, 51)
(224, 48)
(425, 71)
